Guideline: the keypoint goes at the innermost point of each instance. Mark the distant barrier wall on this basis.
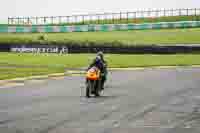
(61, 48)
(103, 27)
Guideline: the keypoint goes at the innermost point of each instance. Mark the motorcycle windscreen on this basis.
(93, 73)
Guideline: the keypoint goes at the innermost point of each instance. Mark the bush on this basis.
(41, 37)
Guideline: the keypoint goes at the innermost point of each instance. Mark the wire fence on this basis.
(164, 15)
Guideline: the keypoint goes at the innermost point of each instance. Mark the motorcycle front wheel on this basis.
(98, 88)
(89, 87)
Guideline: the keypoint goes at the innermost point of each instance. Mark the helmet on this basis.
(100, 53)
(98, 58)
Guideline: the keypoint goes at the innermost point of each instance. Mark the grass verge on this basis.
(20, 65)
(113, 38)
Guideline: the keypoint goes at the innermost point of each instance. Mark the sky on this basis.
(25, 8)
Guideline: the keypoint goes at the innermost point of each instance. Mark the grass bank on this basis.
(30, 64)
(114, 38)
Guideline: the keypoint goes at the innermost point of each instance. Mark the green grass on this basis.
(82, 60)
(43, 60)
(52, 63)
(136, 37)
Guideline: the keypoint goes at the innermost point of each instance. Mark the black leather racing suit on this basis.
(101, 64)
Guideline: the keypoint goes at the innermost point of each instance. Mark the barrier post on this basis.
(127, 14)
(83, 19)
(120, 17)
(60, 21)
(36, 20)
(134, 17)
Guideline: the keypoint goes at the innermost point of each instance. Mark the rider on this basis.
(100, 63)
(100, 53)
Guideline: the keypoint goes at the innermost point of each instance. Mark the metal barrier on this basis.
(64, 49)
(112, 18)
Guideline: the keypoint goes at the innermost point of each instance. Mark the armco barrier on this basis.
(149, 49)
(103, 27)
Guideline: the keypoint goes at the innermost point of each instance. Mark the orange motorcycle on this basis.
(93, 82)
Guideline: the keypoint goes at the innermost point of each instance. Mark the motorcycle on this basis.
(93, 82)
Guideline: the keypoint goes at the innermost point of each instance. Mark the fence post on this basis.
(98, 19)
(187, 12)
(75, 19)
(72, 19)
(23, 20)
(28, 21)
(8, 20)
(90, 19)
(68, 22)
(157, 15)
(52, 22)
(83, 19)
(18, 21)
(120, 17)
(113, 18)
(172, 12)
(134, 17)
(149, 15)
(44, 20)
(195, 14)
(36, 20)
(180, 12)
(153, 17)
(60, 20)
(11, 19)
(105, 18)
(141, 13)
(164, 12)
(127, 14)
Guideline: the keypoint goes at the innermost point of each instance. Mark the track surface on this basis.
(143, 101)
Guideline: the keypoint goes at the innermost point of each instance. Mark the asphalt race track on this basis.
(142, 101)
